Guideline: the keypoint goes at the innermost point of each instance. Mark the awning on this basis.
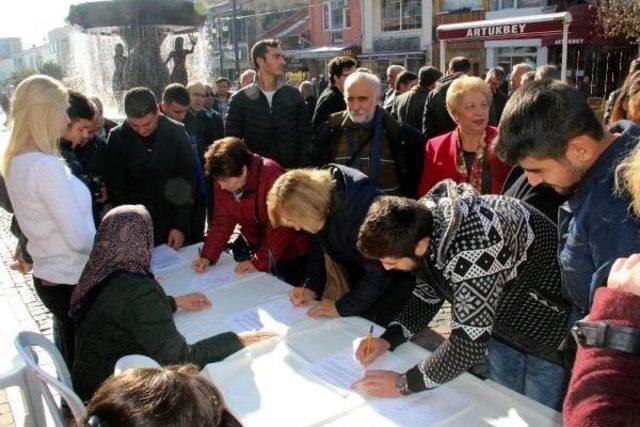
(321, 52)
(393, 55)
(521, 27)
(524, 27)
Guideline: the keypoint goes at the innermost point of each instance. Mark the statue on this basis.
(120, 61)
(179, 56)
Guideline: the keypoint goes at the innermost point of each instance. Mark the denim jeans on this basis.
(532, 376)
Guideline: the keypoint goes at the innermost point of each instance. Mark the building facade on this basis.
(396, 32)
(60, 46)
(457, 11)
(335, 28)
(10, 47)
(507, 53)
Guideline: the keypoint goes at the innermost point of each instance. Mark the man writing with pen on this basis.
(493, 258)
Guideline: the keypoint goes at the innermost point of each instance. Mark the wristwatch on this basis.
(402, 385)
(604, 335)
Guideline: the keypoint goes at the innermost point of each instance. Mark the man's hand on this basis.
(378, 383)
(193, 302)
(175, 239)
(201, 264)
(325, 308)
(245, 267)
(379, 347)
(625, 275)
(301, 295)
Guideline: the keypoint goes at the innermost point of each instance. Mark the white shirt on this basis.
(269, 96)
(53, 209)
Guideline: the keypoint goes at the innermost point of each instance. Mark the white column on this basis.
(368, 24)
(565, 50)
(443, 56)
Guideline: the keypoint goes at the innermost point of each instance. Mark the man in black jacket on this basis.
(212, 124)
(175, 105)
(435, 118)
(269, 115)
(331, 100)
(409, 106)
(495, 79)
(150, 163)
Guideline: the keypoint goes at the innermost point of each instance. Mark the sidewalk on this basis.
(25, 311)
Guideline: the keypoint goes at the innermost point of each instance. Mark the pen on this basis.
(367, 349)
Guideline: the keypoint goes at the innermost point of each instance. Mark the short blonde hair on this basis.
(303, 194)
(38, 108)
(463, 86)
(197, 84)
(628, 178)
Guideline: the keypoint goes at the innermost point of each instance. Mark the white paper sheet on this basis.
(215, 276)
(343, 369)
(165, 258)
(276, 315)
(423, 409)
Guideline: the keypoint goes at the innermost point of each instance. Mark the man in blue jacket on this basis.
(549, 130)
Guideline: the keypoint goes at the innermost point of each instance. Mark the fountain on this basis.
(142, 26)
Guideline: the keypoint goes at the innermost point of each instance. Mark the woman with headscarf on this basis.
(120, 309)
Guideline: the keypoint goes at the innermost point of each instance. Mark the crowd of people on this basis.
(506, 197)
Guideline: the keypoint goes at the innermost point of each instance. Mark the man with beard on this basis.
(483, 254)
(549, 130)
(369, 139)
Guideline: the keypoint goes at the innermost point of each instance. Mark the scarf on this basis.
(376, 129)
(123, 242)
(479, 176)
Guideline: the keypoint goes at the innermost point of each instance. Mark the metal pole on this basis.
(565, 50)
(443, 48)
(220, 47)
(235, 41)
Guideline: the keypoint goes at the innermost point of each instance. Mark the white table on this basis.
(269, 384)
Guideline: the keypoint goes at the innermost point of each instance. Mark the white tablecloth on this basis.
(269, 384)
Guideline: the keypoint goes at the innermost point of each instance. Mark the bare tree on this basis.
(619, 18)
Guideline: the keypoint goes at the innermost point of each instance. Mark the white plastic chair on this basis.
(133, 361)
(25, 342)
(17, 376)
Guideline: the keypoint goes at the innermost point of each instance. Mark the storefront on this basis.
(319, 56)
(510, 41)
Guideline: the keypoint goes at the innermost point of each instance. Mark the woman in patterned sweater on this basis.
(493, 258)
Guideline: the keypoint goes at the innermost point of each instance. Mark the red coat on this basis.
(440, 162)
(282, 242)
(605, 384)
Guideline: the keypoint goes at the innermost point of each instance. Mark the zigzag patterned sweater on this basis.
(494, 259)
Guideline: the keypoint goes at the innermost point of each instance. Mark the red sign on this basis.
(502, 31)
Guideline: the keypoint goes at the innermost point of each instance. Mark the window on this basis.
(456, 5)
(510, 4)
(326, 17)
(336, 15)
(507, 57)
(400, 15)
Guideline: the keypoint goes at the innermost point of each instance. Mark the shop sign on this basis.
(502, 31)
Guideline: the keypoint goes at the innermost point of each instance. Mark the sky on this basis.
(31, 20)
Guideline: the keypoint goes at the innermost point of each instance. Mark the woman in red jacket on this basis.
(464, 154)
(241, 183)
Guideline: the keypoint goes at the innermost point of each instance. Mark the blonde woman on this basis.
(464, 154)
(331, 203)
(53, 208)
